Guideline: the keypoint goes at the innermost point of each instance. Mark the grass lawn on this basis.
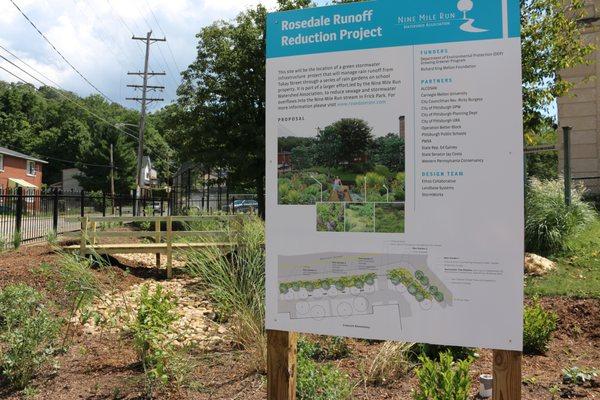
(578, 273)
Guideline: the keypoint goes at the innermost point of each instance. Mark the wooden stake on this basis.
(157, 239)
(507, 375)
(169, 247)
(84, 236)
(281, 365)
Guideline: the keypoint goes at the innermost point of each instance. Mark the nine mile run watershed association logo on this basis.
(465, 6)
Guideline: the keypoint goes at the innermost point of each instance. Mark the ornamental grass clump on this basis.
(235, 282)
(549, 221)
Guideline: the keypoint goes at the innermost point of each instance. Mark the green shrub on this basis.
(332, 348)
(151, 329)
(27, 334)
(320, 381)
(434, 351)
(549, 221)
(443, 379)
(235, 283)
(17, 239)
(538, 326)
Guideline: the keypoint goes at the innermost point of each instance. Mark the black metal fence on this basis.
(28, 216)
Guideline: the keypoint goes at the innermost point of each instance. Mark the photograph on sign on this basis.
(395, 172)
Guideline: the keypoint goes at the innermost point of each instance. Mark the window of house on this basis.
(1, 162)
(31, 168)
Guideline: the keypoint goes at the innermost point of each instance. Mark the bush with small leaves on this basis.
(320, 381)
(444, 379)
(28, 331)
(150, 329)
(538, 326)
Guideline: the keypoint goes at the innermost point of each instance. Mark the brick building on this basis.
(19, 170)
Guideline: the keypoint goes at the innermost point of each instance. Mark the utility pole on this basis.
(112, 179)
(144, 101)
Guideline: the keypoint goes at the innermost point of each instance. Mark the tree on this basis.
(221, 102)
(344, 142)
(551, 42)
(389, 151)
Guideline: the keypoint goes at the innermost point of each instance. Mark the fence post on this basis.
(82, 204)
(19, 213)
(134, 202)
(507, 375)
(103, 204)
(55, 211)
(281, 365)
(567, 157)
(169, 247)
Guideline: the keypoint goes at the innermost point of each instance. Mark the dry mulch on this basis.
(104, 366)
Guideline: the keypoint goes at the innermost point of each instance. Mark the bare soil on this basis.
(104, 366)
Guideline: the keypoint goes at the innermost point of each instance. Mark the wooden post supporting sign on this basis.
(507, 375)
(281, 365)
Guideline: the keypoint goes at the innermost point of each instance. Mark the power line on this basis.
(59, 53)
(39, 155)
(21, 79)
(125, 24)
(109, 47)
(58, 91)
(163, 33)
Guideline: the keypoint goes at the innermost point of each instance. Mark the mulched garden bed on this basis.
(104, 366)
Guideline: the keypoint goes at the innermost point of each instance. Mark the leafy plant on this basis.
(17, 240)
(434, 351)
(150, 329)
(320, 382)
(444, 379)
(391, 362)
(549, 221)
(538, 326)
(235, 282)
(27, 334)
(579, 376)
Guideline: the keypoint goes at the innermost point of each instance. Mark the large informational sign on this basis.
(395, 172)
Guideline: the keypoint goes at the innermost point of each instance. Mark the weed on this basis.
(443, 379)
(52, 238)
(27, 334)
(538, 325)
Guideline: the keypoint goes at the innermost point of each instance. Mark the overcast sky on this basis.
(94, 35)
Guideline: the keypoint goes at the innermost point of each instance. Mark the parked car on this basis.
(242, 206)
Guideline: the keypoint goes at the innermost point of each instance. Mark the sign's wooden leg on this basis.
(507, 375)
(281, 365)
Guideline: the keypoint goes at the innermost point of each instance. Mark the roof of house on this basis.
(12, 153)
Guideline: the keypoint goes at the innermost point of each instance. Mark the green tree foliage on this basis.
(343, 142)
(43, 122)
(551, 41)
(220, 113)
